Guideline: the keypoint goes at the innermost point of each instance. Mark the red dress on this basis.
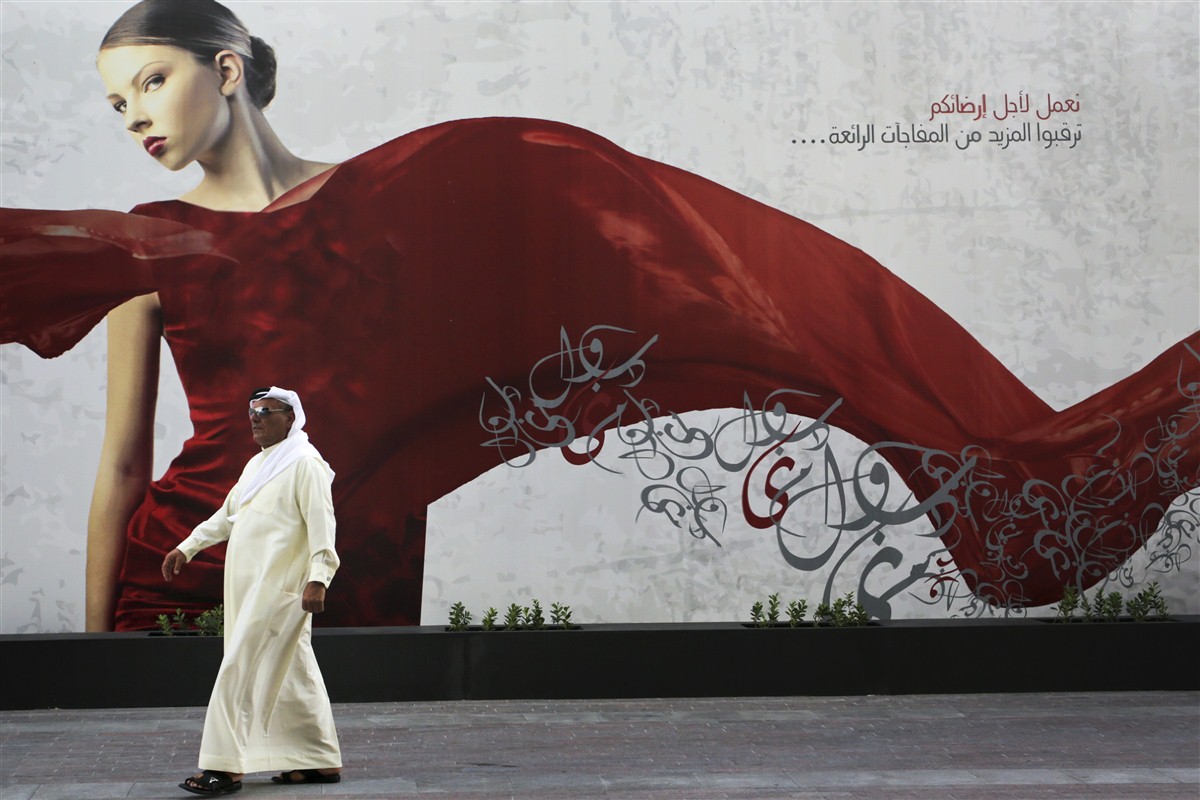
(421, 270)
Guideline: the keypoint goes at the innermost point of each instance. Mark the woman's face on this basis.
(171, 103)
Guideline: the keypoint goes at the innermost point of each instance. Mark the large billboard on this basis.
(650, 309)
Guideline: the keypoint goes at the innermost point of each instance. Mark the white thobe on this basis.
(269, 709)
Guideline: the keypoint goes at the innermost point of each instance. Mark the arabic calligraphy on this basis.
(862, 136)
(568, 397)
(1009, 106)
(780, 465)
(1035, 128)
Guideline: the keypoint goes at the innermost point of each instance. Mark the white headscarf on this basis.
(293, 448)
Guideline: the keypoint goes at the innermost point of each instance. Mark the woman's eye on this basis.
(152, 83)
(119, 107)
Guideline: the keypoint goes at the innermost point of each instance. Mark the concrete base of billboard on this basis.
(135, 670)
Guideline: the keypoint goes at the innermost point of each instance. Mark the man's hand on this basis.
(313, 600)
(172, 564)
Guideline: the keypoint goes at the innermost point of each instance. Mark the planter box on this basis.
(130, 670)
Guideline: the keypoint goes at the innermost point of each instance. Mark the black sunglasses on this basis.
(266, 412)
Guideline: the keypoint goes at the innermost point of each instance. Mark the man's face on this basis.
(274, 427)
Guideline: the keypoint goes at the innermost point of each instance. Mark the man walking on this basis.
(269, 709)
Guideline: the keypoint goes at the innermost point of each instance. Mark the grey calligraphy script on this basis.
(584, 391)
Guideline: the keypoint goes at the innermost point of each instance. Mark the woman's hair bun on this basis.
(203, 28)
(260, 69)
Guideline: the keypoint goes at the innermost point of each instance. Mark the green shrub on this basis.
(1069, 604)
(208, 623)
(534, 618)
(796, 611)
(489, 619)
(1146, 603)
(460, 617)
(772, 609)
(212, 622)
(1108, 606)
(844, 612)
(561, 615)
(513, 617)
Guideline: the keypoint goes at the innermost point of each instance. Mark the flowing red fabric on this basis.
(390, 292)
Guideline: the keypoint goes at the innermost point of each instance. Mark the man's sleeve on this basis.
(315, 498)
(212, 531)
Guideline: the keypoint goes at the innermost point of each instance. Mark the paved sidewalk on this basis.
(1140, 746)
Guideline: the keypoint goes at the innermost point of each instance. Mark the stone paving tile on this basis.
(1120, 776)
(833, 779)
(660, 781)
(1023, 777)
(743, 780)
(1027, 793)
(1140, 746)
(927, 777)
(1183, 775)
(81, 791)
(164, 790)
(377, 788)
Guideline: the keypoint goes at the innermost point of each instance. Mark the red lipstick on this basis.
(154, 144)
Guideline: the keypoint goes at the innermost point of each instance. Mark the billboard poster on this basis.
(651, 309)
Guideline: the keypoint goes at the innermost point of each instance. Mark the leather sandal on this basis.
(211, 782)
(309, 776)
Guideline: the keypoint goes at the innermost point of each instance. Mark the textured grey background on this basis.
(1075, 266)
